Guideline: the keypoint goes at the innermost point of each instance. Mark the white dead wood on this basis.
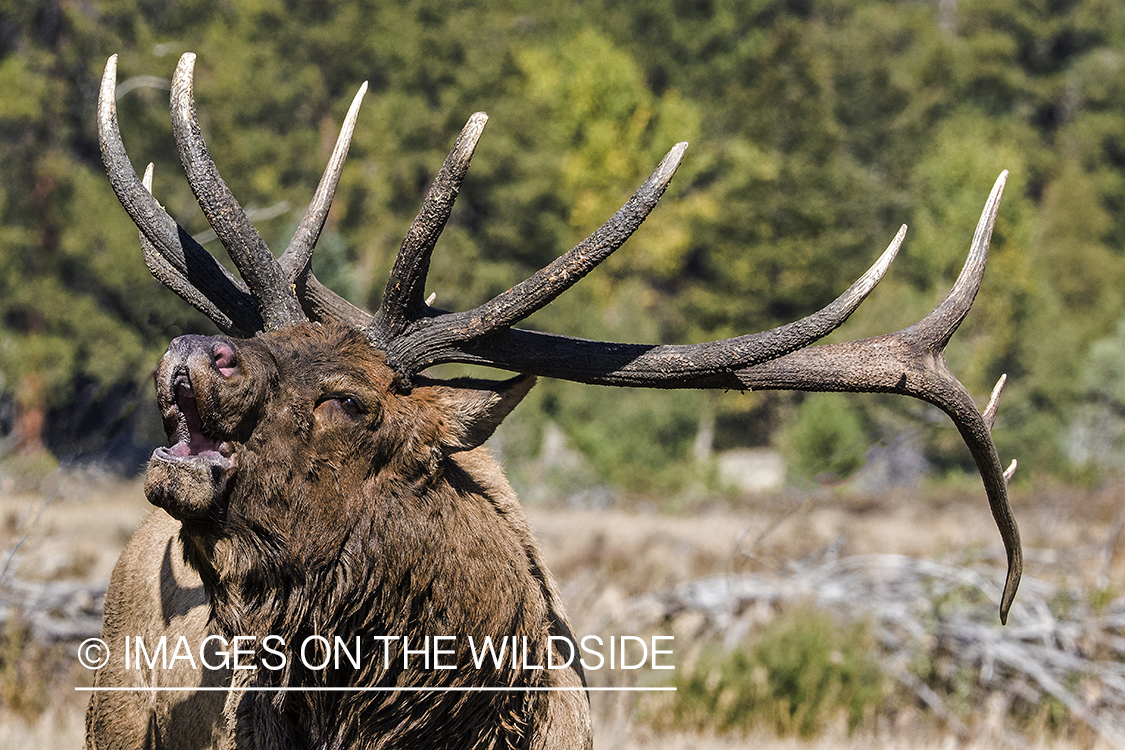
(55, 611)
(1056, 644)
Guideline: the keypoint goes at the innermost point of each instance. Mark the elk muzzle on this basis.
(188, 478)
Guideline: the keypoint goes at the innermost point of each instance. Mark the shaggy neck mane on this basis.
(363, 576)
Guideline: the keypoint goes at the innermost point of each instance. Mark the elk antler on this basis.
(184, 266)
(910, 362)
(415, 336)
(172, 255)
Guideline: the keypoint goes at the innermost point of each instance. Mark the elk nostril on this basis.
(223, 355)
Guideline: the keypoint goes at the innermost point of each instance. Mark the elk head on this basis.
(337, 393)
(319, 401)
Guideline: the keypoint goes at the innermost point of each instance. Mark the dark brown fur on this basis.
(353, 507)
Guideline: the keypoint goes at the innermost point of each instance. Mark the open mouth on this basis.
(190, 443)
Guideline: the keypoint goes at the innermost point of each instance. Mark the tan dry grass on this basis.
(643, 740)
(74, 527)
(55, 729)
(603, 557)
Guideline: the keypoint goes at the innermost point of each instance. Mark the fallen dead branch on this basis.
(1057, 643)
(55, 611)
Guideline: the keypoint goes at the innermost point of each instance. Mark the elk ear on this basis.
(474, 408)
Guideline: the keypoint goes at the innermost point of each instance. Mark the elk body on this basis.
(317, 484)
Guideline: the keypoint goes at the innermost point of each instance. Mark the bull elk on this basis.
(317, 482)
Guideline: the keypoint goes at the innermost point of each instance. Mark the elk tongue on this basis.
(188, 479)
(190, 440)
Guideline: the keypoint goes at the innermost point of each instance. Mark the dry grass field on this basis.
(74, 525)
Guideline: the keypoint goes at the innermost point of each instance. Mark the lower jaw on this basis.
(188, 488)
(178, 455)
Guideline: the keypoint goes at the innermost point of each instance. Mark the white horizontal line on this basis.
(374, 689)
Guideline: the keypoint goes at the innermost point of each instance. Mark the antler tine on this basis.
(182, 260)
(402, 298)
(296, 256)
(989, 413)
(418, 349)
(166, 274)
(271, 290)
(543, 287)
(318, 301)
(942, 323)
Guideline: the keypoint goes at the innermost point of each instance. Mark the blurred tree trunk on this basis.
(31, 415)
(31, 392)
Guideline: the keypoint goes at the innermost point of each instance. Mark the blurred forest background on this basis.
(817, 128)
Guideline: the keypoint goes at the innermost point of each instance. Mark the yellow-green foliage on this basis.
(23, 677)
(817, 129)
(826, 436)
(804, 672)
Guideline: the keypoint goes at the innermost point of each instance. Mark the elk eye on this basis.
(341, 403)
(351, 405)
